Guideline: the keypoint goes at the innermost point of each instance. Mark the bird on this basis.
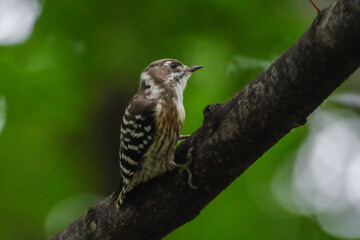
(151, 125)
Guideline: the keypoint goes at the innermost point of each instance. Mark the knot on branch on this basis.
(299, 122)
(90, 218)
(210, 118)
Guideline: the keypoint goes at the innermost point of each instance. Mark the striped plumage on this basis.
(152, 123)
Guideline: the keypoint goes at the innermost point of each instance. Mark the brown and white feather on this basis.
(152, 123)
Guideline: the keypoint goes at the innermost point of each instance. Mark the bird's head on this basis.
(166, 74)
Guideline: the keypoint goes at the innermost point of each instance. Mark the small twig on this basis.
(315, 6)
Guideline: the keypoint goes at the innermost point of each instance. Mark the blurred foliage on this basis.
(67, 86)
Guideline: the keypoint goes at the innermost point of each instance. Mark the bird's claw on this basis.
(183, 137)
(186, 168)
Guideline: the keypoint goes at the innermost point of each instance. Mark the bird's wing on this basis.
(136, 135)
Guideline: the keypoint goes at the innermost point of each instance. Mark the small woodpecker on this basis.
(152, 124)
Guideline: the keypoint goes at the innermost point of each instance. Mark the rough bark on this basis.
(235, 134)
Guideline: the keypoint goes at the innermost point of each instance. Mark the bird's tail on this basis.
(120, 194)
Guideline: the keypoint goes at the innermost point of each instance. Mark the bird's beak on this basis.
(193, 69)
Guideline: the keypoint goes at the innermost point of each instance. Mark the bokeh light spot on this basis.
(17, 19)
(2, 113)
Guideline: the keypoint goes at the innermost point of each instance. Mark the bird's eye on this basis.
(173, 65)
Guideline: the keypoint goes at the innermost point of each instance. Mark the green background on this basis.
(67, 86)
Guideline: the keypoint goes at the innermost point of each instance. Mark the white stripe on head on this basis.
(154, 91)
(167, 63)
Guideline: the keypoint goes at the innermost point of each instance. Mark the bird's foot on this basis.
(183, 137)
(186, 168)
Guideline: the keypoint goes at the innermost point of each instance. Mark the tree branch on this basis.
(236, 133)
